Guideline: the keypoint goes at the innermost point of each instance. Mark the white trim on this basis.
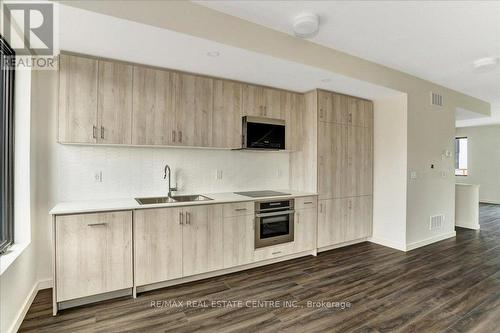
(43, 284)
(424, 242)
(13, 252)
(388, 243)
(468, 226)
(492, 202)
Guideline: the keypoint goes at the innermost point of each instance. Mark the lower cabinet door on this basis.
(359, 218)
(157, 245)
(332, 221)
(305, 229)
(238, 240)
(202, 248)
(93, 254)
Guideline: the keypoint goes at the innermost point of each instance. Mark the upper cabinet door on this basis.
(333, 172)
(227, 114)
(260, 101)
(293, 106)
(77, 99)
(153, 121)
(193, 111)
(332, 108)
(115, 103)
(360, 112)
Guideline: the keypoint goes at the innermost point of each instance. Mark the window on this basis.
(460, 156)
(6, 146)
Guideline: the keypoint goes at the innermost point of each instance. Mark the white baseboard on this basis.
(43, 284)
(424, 242)
(388, 243)
(468, 226)
(493, 202)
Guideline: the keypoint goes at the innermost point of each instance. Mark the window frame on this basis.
(465, 171)
(7, 83)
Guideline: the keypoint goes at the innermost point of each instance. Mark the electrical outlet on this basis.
(98, 176)
(218, 174)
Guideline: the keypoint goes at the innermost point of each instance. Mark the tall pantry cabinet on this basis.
(342, 161)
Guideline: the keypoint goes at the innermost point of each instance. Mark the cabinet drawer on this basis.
(238, 209)
(306, 202)
(93, 254)
(276, 251)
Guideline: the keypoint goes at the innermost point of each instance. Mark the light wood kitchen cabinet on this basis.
(193, 110)
(262, 102)
(157, 245)
(333, 170)
(202, 239)
(305, 228)
(93, 254)
(360, 112)
(359, 221)
(293, 105)
(227, 114)
(332, 221)
(114, 103)
(238, 240)
(332, 107)
(77, 115)
(359, 161)
(153, 121)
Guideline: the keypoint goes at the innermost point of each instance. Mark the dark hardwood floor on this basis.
(451, 286)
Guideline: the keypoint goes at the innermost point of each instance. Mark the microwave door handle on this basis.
(283, 212)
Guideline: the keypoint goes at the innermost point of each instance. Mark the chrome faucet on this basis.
(170, 188)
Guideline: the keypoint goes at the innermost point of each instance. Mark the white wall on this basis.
(389, 171)
(483, 160)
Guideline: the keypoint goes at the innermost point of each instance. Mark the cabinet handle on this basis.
(94, 132)
(181, 218)
(350, 117)
(173, 136)
(321, 208)
(96, 224)
(188, 218)
(308, 202)
(102, 132)
(278, 252)
(180, 136)
(265, 110)
(320, 113)
(240, 209)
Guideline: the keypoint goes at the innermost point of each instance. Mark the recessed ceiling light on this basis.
(485, 64)
(213, 54)
(306, 25)
(326, 80)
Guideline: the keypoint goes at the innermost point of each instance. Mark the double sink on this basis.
(172, 199)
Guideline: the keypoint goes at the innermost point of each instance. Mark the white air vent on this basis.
(436, 222)
(436, 99)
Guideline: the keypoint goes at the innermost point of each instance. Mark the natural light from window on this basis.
(461, 157)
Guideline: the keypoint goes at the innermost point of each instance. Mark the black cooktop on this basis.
(258, 194)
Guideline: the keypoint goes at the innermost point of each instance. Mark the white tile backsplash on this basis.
(138, 171)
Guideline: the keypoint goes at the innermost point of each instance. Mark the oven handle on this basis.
(284, 212)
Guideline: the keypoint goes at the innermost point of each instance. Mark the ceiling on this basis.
(107, 36)
(433, 40)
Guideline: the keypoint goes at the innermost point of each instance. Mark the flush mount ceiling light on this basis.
(306, 25)
(485, 64)
(213, 54)
(326, 80)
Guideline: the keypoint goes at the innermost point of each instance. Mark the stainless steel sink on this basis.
(175, 198)
(187, 198)
(156, 200)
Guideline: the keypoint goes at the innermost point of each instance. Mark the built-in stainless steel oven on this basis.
(273, 222)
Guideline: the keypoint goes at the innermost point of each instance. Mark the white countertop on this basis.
(88, 206)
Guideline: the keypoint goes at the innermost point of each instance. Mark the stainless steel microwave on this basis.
(263, 133)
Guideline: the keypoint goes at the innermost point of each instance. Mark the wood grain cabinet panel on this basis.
(193, 111)
(227, 114)
(359, 221)
(93, 254)
(333, 172)
(238, 240)
(202, 239)
(305, 221)
(154, 98)
(332, 107)
(262, 102)
(157, 245)
(292, 107)
(77, 114)
(332, 221)
(360, 161)
(115, 103)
